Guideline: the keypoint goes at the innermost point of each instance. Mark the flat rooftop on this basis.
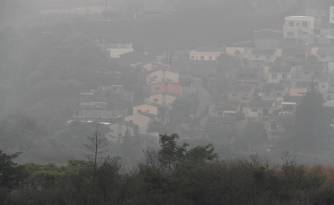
(298, 17)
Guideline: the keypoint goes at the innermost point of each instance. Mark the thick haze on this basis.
(55, 53)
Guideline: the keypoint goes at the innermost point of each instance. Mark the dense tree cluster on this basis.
(312, 126)
(176, 174)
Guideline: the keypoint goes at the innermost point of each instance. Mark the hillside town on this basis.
(166, 102)
(216, 93)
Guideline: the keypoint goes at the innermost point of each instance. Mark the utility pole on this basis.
(96, 150)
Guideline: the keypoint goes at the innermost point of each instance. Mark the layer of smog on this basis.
(124, 97)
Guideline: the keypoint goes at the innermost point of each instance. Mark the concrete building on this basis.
(331, 14)
(119, 49)
(205, 55)
(142, 117)
(161, 99)
(237, 51)
(299, 28)
(162, 76)
(145, 109)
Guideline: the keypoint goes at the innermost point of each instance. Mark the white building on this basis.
(299, 28)
(161, 76)
(331, 14)
(119, 49)
(142, 116)
(205, 55)
(161, 99)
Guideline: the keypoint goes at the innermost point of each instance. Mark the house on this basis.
(273, 91)
(205, 55)
(258, 108)
(162, 76)
(241, 92)
(142, 117)
(160, 99)
(94, 111)
(278, 73)
(79, 11)
(331, 14)
(299, 28)
(142, 122)
(116, 50)
(274, 129)
(228, 112)
(236, 51)
(106, 103)
(297, 91)
(87, 96)
(119, 130)
(145, 109)
(155, 66)
(167, 88)
(265, 55)
(287, 108)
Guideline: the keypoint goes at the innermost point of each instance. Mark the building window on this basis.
(274, 76)
(291, 23)
(290, 34)
(305, 24)
(202, 58)
(304, 33)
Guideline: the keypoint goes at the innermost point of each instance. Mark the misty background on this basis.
(50, 52)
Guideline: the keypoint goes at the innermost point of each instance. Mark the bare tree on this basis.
(97, 148)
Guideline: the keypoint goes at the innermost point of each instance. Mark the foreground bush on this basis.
(174, 175)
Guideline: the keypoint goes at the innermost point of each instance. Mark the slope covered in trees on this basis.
(174, 175)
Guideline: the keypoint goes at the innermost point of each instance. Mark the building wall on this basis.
(141, 121)
(275, 78)
(205, 55)
(117, 50)
(299, 27)
(235, 51)
(297, 92)
(95, 114)
(161, 99)
(149, 109)
(166, 88)
(252, 112)
(162, 76)
(331, 14)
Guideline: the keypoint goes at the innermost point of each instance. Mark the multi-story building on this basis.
(331, 14)
(299, 28)
(116, 50)
(205, 54)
